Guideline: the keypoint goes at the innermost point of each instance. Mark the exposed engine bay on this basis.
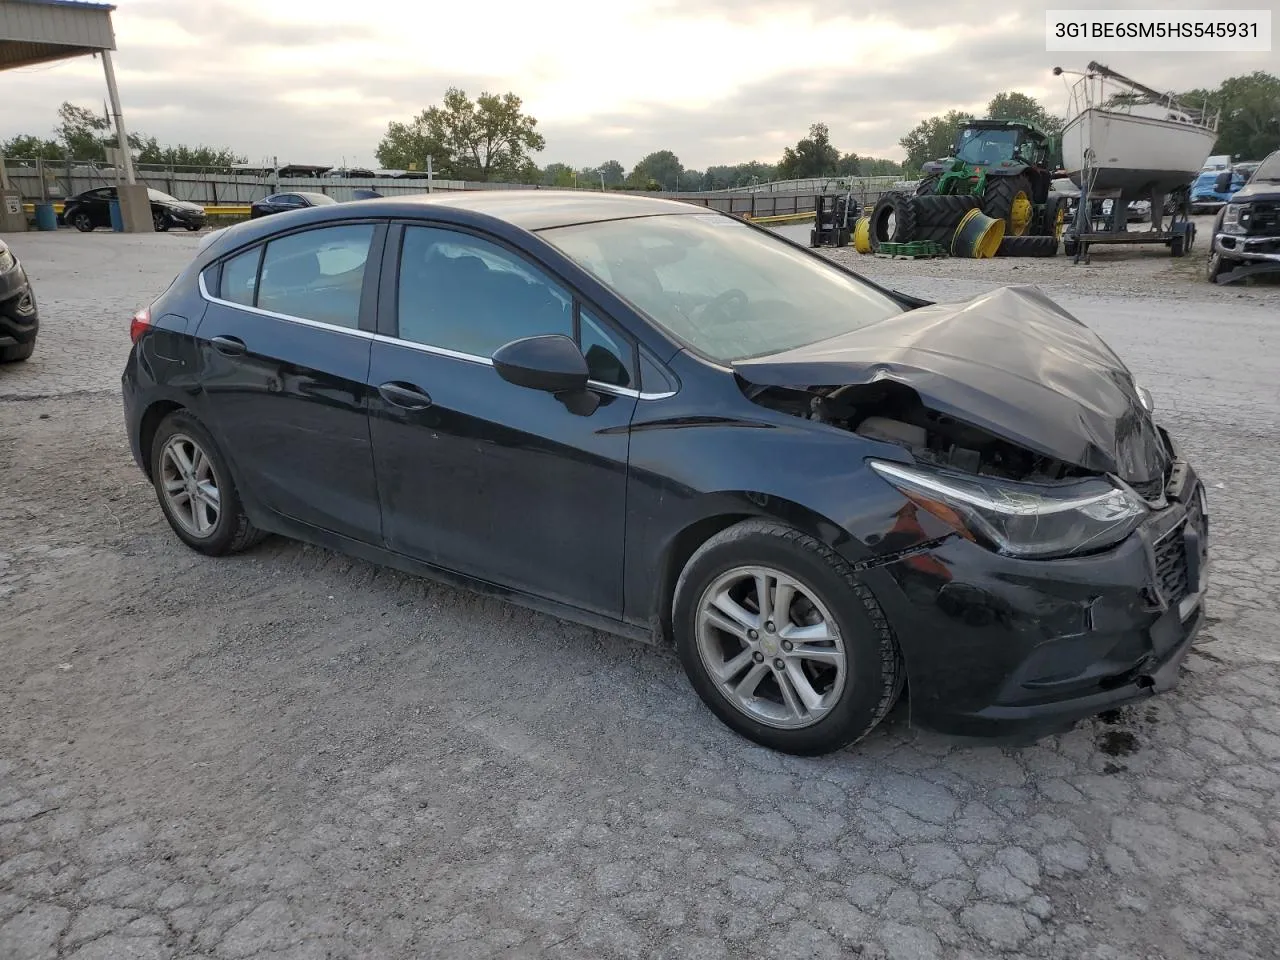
(892, 412)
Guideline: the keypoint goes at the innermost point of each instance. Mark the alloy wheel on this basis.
(771, 647)
(190, 486)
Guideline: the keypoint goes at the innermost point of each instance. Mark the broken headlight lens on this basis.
(1029, 520)
(1235, 218)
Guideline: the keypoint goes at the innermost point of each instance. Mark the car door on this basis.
(98, 205)
(478, 475)
(283, 360)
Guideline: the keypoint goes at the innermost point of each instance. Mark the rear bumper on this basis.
(1254, 249)
(997, 646)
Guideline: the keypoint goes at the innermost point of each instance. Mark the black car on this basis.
(91, 209)
(1247, 229)
(19, 319)
(672, 424)
(280, 202)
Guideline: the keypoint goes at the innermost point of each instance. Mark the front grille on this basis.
(1264, 218)
(1171, 567)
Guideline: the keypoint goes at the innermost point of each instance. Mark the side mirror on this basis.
(1222, 183)
(552, 363)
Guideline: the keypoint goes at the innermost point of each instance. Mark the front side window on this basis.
(728, 290)
(317, 275)
(466, 294)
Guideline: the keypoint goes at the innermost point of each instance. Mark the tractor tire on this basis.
(893, 220)
(1009, 199)
(1028, 247)
(1055, 217)
(942, 211)
(927, 185)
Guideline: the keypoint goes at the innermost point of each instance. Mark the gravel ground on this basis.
(293, 755)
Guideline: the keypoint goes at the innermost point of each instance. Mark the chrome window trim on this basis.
(318, 324)
(398, 342)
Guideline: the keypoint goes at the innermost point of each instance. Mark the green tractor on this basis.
(1008, 164)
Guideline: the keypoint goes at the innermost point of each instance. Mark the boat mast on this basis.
(1156, 95)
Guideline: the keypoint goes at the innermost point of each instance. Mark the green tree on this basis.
(813, 156)
(488, 138)
(1249, 108)
(661, 167)
(181, 155)
(1019, 106)
(26, 147)
(614, 174)
(932, 139)
(875, 167)
(557, 175)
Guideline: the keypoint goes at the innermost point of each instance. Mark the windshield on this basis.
(987, 147)
(1269, 169)
(728, 290)
(162, 197)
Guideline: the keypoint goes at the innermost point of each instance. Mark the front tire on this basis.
(21, 351)
(808, 670)
(82, 222)
(195, 489)
(1010, 199)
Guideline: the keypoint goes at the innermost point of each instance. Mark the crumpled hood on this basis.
(1011, 362)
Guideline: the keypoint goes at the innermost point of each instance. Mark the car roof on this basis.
(538, 209)
(525, 210)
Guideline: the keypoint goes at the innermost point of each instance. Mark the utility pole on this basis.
(430, 186)
(121, 136)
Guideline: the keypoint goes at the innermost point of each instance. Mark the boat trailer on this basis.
(1087, 229)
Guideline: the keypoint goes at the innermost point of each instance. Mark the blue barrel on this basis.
(46, 219)
(117, 221)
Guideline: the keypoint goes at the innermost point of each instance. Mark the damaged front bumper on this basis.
(996, 645)
(1238, 246)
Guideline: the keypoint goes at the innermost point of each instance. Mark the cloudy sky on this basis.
(717, 81)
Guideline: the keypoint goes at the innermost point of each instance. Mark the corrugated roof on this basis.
(87, 4)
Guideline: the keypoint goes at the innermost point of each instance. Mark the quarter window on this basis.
(462, 293)
(317, 275)
(607, 357)
(240, 277)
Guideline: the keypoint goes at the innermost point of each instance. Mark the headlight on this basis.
(1144, 397)
(1028, 520)
(1236, 217)
(6, 259)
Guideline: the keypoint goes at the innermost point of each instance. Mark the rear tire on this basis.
(82, 222)
(1028, 247)
(217, 524)
(853, 696)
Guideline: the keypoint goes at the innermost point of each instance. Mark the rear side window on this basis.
(317, 275)
(240, 277)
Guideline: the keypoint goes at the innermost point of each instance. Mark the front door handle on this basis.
(404, 395)
(231, 346)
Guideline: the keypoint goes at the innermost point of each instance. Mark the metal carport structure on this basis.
(42, 31)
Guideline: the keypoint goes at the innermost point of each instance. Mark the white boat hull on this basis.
(1134, 154)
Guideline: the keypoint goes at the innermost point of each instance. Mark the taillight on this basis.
(139, 324)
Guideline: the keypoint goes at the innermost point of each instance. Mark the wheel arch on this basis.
(719, 512)
(149, 423)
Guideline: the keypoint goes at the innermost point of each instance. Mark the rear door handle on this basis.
(231, 346)
(405, 395)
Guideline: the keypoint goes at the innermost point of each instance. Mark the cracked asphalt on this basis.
(293, 755)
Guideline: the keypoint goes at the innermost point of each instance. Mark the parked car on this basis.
(280, 202)
(1247, 228)
(1205, 195)
(91, 209)
(672, 424)
(19, 318)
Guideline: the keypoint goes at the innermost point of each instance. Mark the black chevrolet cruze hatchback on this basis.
(669, 423)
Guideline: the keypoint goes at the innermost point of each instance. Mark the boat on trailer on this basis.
(1125, 136)
(1124, 141)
